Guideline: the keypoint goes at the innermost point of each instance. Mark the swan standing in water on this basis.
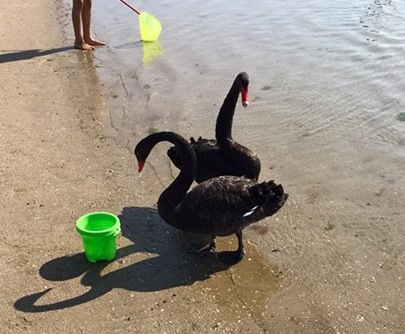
(220, 206)
(223, 156)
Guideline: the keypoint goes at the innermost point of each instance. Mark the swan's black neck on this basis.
(172, 196)
(223, 129)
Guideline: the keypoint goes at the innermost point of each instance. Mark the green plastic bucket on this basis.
(99, 232)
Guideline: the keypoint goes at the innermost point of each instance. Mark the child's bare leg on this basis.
(77, 26)
(86, 18)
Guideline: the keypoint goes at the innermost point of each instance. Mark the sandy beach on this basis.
(333, 264)
(56, 161)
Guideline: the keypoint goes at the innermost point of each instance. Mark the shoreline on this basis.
(57, 162)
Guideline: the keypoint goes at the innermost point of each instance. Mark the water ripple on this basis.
(335, 68)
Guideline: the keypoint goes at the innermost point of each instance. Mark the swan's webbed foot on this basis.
(210, 247)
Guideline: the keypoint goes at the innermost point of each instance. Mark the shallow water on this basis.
(325, 68)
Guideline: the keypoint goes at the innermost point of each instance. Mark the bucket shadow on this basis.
(168, 259)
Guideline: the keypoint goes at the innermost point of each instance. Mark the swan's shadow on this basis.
(169, 264)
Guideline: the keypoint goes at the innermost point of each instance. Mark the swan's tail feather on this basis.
(270, 197)
(193, 141)
(277, 189)
(276, 197)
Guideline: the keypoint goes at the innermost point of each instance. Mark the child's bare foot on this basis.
(83, 46)
(95, 42)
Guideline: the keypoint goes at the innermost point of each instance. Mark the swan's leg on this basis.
(240, 251)
(236, 256)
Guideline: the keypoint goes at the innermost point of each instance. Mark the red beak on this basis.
(140, 165)
(245, 97)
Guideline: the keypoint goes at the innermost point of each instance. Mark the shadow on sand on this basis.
(29, 54)
(171, 267)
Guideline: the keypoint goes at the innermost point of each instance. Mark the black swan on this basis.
(219, 206)
(223, 156)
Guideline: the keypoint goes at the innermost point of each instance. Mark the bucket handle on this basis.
(118, 232)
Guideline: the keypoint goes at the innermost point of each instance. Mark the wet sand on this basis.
(327, 263)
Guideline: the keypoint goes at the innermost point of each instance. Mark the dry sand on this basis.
(59, 161)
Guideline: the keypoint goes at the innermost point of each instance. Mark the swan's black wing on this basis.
(213, 161)
(201, 145)
(224, 205)
(210, 160)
